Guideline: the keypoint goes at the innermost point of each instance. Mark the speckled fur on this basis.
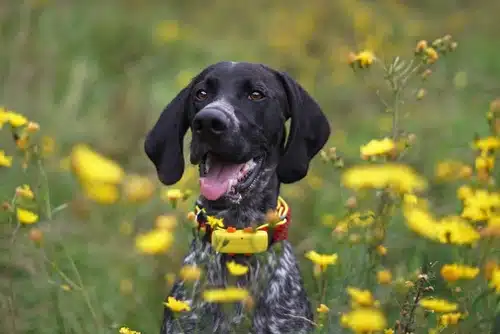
(281, 304)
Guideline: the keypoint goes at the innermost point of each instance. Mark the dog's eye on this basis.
(201, 95)
(256, 95)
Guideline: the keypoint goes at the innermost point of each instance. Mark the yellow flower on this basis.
(5, 160)
(190, 273)
(322, 308)
(16, 120)
(227, 295)
(167, 31)
(25, 191)
(452, 170)
(138, 188)
(398, 177)
(323, 260)
(381, 250)
(454, 230)
(102, 193)
(126, 330)
(215, 222)
(236, 269)
(431, 55)
(364, 320)
(389, 331)
(450, 318)
(360, 297)
(177, 305)
(384, 277)
(479, 204)
(487, 144)
(365, 58)
(454, 272)
(166, 222)
(4, 116)
(495, 279)
(438, 305)
(26, 216)
(154, 242)
(421, 222)
(91, 166)
(378, 147)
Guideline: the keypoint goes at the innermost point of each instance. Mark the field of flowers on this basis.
(396, 226)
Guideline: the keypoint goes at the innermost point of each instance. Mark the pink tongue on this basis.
(215, 183)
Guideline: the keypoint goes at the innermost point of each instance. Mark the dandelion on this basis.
(102, 193)
(454, 230)
(438, 305)
(421, 222)
(126, 330)
(495, 279)
(322, 260)
(384, 277)
(92, 166)
(361, 297)
(236, 269)
(190, 273)
(375, 147)
(25, 216)
(322, 308)
(138, 188)
(5, 160)
(25, 191)
(16, 120)
(398, 177)
(455, 272)
(154, 242)
(363, 59)
(364, 320)
(177, 305)
(227, 295)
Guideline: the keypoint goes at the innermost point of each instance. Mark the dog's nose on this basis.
(212, 122)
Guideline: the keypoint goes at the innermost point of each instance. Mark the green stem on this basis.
(46, 189)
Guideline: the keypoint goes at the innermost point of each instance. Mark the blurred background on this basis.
(100, 72)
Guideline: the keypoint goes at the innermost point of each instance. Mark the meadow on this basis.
(411, 217)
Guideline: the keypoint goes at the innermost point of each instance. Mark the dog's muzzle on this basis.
(247, 241)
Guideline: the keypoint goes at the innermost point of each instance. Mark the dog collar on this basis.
(250, 240)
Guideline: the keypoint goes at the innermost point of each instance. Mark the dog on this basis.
(237, 114)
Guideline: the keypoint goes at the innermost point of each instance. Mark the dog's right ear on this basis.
(164, 143)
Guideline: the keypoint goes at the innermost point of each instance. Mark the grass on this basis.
(100, 73)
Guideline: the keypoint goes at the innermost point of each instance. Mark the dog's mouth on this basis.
(218, 177)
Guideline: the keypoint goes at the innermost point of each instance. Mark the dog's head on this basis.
(237, 114)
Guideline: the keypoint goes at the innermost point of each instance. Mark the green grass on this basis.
(94, 72)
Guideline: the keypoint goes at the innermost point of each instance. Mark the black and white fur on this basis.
(253, 102)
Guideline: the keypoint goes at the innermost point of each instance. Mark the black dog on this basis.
(237, 114)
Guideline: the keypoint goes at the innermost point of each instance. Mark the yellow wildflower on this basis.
(126, 330)
(378, 147)
(102, 193)
(236, 269)
(487, 144)
(25, 191)
(138, 188)
(190, 272)
(495, 279)
(454, 230)
(381, 250)
(438, 305)
(388, 331)
(464, 192)
(364, 320)
(322, 308)
(450, 318)
(384, 277)
(5, 160)
(91, 166)
(479, 204)
(16, 120)
(26, 216)
(167, 31)
(452, 170)
(177, 305)
(454, 272)
(154, 242)
(431, 55)
(166, 222)
(421, 46)
(323, 260)
(4, 116)
(365, 58)
(215, 222)
(360, 297)
(399, 177)
(227, 295)
(421, 222)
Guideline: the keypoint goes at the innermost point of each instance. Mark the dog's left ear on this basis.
(309, 131)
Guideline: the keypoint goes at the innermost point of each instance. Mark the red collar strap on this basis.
(249, 240)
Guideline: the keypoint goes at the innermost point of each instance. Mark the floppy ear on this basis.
(164, 143)
(309, 131)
